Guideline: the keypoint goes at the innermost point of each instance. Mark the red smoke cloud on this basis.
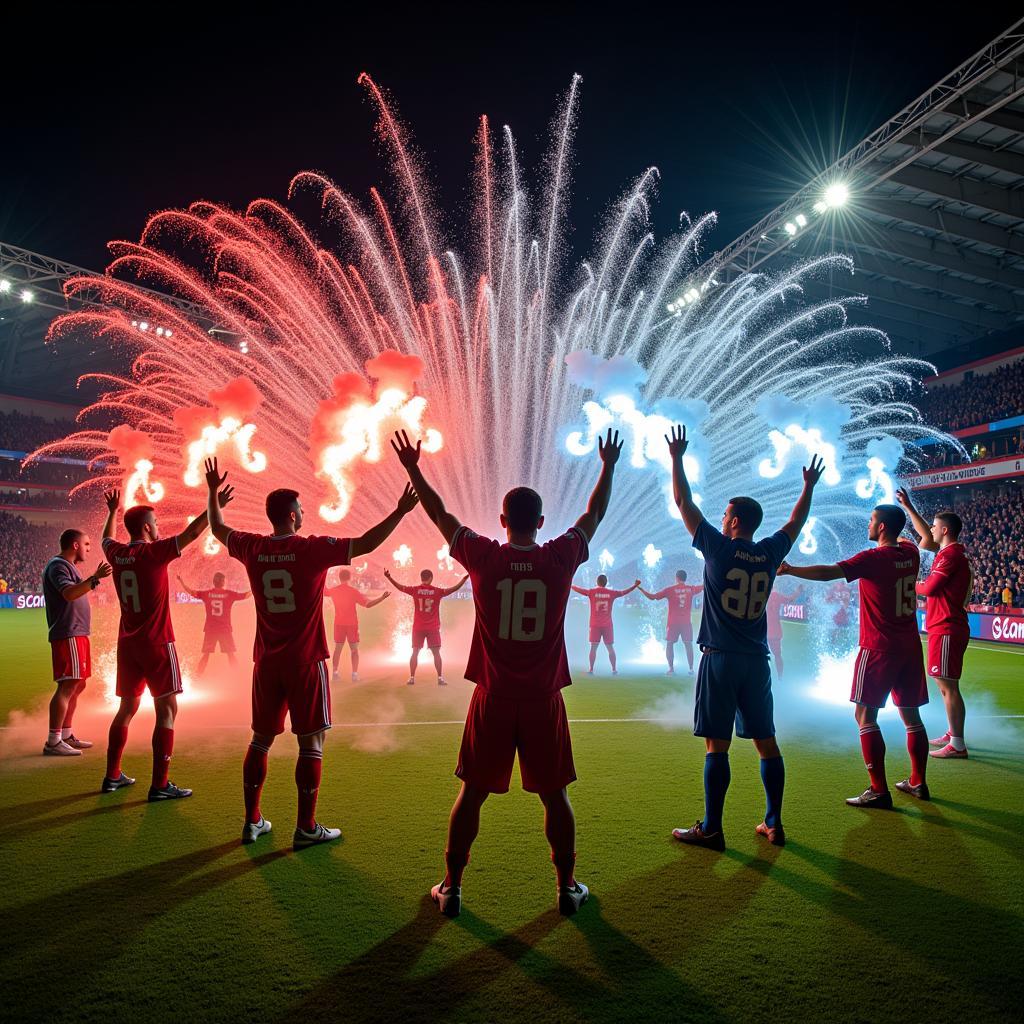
(130, 444)
(238, 398)
(394, 370)
(347, 388)
(191, 420)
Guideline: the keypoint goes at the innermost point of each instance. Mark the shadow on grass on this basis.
(18, 813)
(60, 820)
(86, 929)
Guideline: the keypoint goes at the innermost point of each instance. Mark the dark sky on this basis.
(108, 117)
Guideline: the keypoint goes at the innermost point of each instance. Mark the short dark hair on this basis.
(426, 572)
(279, 504)
(134, 519)
(892, 517)
(218, 576)
(748, 512)
(951, 521)
(522, 508)
(68, 537)
(344, 574)
(601, 576)
(680, 575)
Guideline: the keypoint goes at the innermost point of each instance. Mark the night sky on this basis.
(109, 117)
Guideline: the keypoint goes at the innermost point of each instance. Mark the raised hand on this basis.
(609, 448)
(409, 499)
(103, 570)
(387, 593)
(903, 497)
(225, 497)
(784, 570)
(407, 455)
(113, 499)
(214, 480)
(812, 473)
(387, 575)
(636, 583)
(676, 441)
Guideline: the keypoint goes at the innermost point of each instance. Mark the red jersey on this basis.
(426, 604)
(888, 596)
(140, 580)
(345, 597)
(680, 602)
(287, 575)
(601, 601)
(948, 588)
(520, 594)
(773, 612)
(218, 609)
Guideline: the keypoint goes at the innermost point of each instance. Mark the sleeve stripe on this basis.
(455, 537)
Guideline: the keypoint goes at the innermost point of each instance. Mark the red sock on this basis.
(565, 868)
(308, 768)
(917, 745)
(116, 740)
(254, 773)
(163, 747)
(873, 748)
(455, 862)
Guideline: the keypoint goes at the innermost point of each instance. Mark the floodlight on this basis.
(836, 195)
(801, 220)
(5, 286)
(27, 295)
(790, 228)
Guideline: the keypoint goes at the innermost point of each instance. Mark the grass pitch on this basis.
(114, 909)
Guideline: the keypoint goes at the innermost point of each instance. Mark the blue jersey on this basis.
(738, 577)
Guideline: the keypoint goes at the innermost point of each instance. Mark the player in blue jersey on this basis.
(734, 681)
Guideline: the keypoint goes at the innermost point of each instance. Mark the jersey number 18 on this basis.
(519, 621)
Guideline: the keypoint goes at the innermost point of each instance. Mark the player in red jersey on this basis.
(518, 662)
(601, 626)
(345, 598)
(218, 602)
(947, 590)
(287, 574)
(889, 659)
(773, 612)
(146, 656)
(426, 619)
(680, 597)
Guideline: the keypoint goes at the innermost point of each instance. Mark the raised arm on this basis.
(398, 586)
(90, 583)
(798, 517)
(921, 527)
(815, 573)
(216, 499)
(580, 590)
(648, 595)
(377, 600)
(609, 450)
(628, 590)
(113, 499)
(184, 586)
(431, 501)
(458, 586)
(681, 493)
(376, 535)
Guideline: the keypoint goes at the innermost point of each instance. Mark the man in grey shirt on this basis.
(69, 617)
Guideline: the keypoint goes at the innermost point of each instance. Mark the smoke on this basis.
(239, 398)
(130, 445)
(823, 412)
(393, 369)
(615, 376)
(887, 449)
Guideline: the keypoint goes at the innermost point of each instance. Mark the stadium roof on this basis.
(934, 218)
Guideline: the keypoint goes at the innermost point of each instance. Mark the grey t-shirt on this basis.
(65, 618)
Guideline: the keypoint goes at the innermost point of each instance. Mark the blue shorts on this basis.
(734, 688)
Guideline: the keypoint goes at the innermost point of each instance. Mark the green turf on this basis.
(113, 909)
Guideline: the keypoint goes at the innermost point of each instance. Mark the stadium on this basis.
(382, 362)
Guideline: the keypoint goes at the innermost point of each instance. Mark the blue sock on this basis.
(773, 775)
(716, 784)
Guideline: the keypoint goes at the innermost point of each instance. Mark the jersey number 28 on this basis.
(519, 621)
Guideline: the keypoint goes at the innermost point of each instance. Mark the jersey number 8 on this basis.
(129, 587)
(747, 599)
(516, 616)
(277, 589)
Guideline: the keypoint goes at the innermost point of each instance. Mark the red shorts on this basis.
(679, 631)
(946, 654)
(71, 658)
(344, 633)
(430, 637)
(152, 665)
(497, 727)
(876, 674)
(301, 691)
(599, 633)
(226, 641)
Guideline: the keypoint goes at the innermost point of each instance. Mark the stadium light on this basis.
(5, 285)
(790, 228)
(801, 220)
(27, 295)
(836, 195)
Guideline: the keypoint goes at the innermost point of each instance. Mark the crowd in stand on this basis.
(993, 446)
(978, 399)
(35, 499)
(23, 432)
(24, 550)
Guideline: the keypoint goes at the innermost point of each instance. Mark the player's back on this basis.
(888, 594)
(951, 579)
(426, 600)
(680, 600)
(345, 597)
(287, 576)
(218, 604)
(140, 582)
(601, 599)
(520, 594)
(738, 579)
